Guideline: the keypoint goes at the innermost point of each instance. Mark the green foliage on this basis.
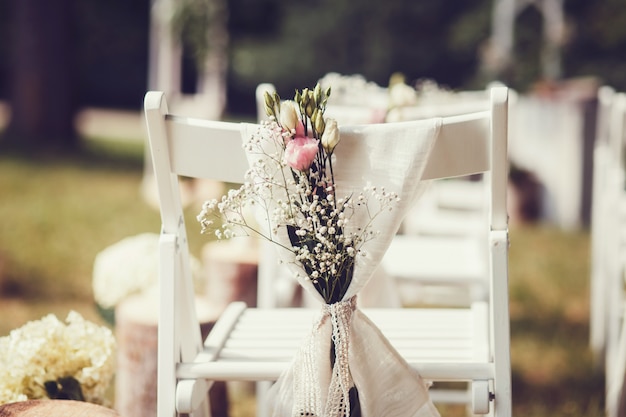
(308, 39)
(191, 22)
(111, 52)
(295, 43)
(597, 41)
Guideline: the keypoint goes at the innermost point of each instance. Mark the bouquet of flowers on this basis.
(292, 181)
(50, 359)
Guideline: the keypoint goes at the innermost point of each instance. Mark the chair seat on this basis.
(258, 344)
(440, 260)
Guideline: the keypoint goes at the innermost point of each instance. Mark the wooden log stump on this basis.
(231, 268)
(136, 375)
(55, 408)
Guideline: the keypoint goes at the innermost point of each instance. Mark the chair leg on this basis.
(480, 397)
(616, 379)
(262, 400)
(192, 397)
(203, 411)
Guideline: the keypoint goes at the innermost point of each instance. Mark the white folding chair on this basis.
(252, 344)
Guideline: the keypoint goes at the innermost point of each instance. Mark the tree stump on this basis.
(55, 408)
(136, 376)
(231, 268)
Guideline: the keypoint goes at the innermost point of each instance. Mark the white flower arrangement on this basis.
(50, 359)
(130, 266)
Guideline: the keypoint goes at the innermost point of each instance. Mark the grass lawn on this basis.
(59, 213)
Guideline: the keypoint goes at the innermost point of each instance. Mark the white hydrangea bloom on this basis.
(48, 349)
(130, 266)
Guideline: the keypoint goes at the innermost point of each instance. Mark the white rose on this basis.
(288, 115)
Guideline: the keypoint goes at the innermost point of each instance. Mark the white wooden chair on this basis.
(608, 236)
(249, 344)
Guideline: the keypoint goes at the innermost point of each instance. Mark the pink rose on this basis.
(300, 152)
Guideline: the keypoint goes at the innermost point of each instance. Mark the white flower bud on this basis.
(288, 115)
(330, 138)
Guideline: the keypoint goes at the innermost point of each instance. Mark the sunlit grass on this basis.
(552, 366)
(58, 215)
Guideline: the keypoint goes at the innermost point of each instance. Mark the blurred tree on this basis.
(292, 44)
(527, 49)
(111, 52)
(202, 29)
(597, 41)
(4, 47)
(41, 75)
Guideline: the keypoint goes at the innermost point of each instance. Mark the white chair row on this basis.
(461, 344)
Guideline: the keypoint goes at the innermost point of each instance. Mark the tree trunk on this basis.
(41, 76)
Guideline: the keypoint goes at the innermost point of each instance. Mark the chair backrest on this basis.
(189, 147)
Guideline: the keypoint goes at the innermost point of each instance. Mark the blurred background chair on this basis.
(599, 217)
(608, 248)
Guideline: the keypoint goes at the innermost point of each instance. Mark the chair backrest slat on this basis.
(462, 148)
(193, 149)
